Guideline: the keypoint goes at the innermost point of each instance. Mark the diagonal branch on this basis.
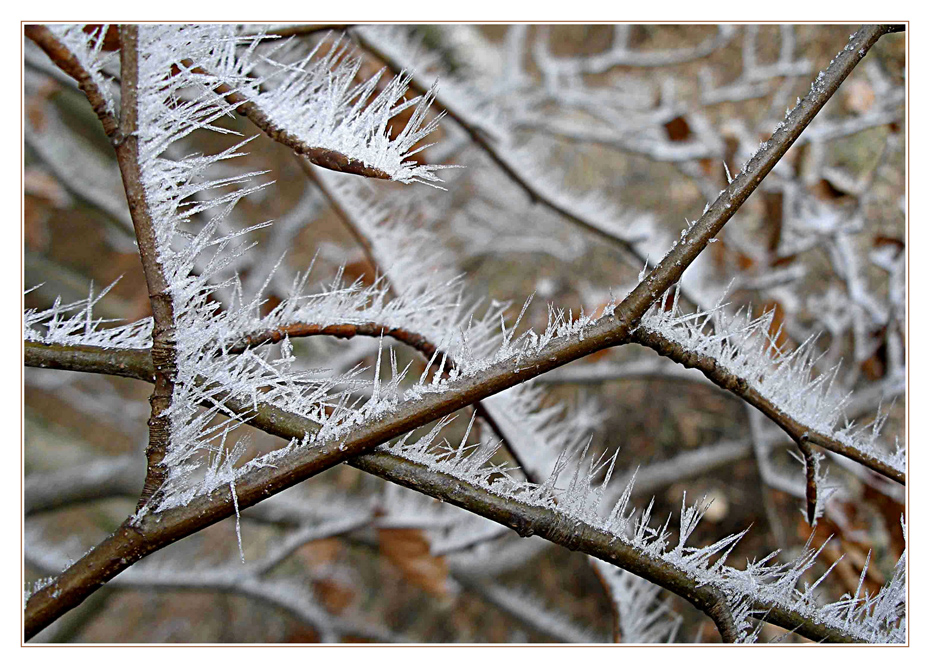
(322, 157)
(71, 66)
(420, 343)
(723, 378)
(528, 520)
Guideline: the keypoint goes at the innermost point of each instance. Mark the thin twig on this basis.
(810, 473)
(62, 56)
(718, 375)
(322, 157)
(163, 334)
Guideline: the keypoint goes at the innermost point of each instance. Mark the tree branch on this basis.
(322, 157)
(70, 65)
(163, 334)
(741, 388)
(158, 530)
(126, 362)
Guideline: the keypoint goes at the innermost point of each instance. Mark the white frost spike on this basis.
(235, 498)
(87, 47)
(761, 583)
(743, 346)
(642, 616)
(376, 386)
(74, 324)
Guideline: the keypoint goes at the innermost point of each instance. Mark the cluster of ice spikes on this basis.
(75, 324)
(746, 347)
(181, 72)
(642, 616)
(576, 490)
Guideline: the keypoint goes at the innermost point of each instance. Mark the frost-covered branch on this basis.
(387, 104)
(163, 352)
(83, 60)
(314, 106)
(380, 248)
(741, 362)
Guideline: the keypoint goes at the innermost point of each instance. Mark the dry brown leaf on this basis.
(858, 96)
(320, 552)
(408, 550)
(334, 595)
(678, 129)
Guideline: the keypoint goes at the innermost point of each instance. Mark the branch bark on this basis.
(741, 388)
(163, 334)
(70, 65)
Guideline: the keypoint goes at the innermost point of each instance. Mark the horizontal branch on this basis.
(127, 362)
(340, 331)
